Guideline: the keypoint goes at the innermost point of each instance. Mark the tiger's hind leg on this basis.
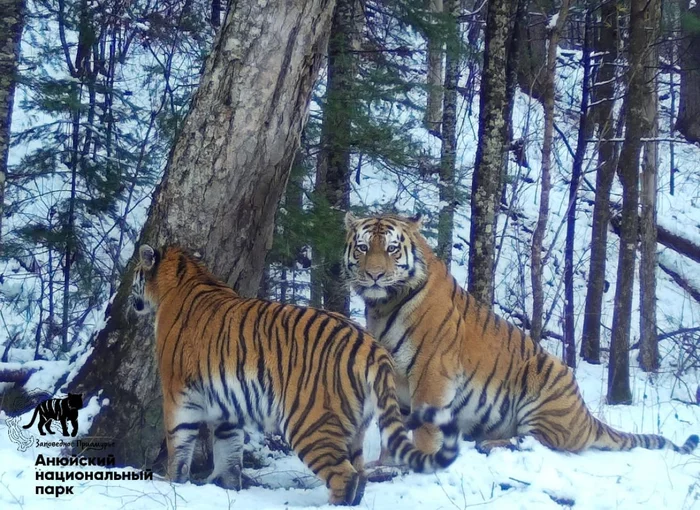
(181, 440)
(356, 445)
(46, 423)
(329, 458)
(551, 408)
(228, 458)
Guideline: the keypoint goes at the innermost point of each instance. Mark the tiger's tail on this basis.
(36, 412)
(610, 439)
(394, 432)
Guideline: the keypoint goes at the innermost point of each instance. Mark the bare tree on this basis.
(603, 92)
(648, 341)
(584, 133)
(642, 23)
(11, 22)
(224, 178)
(538, 236)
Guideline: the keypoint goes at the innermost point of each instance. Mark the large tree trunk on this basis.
(333, 169)
(226, 173)
(490, 154)
(449, 140)
(603, 93)
(537, 263)
(11, 23)
(637, 124)
(648, 341)
(688, 122)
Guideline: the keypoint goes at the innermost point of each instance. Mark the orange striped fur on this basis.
(452, 351)
(229, 362)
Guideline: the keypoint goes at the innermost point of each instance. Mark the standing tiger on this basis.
(453, 351)
(61, 410)
(315, 377)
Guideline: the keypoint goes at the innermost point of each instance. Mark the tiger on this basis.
(314, 377)
(452, 351)
(61, 410)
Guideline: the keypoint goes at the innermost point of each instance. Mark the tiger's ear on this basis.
(350, 220)
(417, 221)
(147, 256)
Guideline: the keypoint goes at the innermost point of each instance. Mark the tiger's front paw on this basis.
(232, 480)
(488, 445)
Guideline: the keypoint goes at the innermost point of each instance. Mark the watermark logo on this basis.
(59, 410)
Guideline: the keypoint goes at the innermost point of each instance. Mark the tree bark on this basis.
(648, 341)
(333, 170)
(11, 24)
(449, 140)
(603, 94)
(490, 153)
(532, 63)
(224, 178)
(434, 81)
(628, 170)
(584, 133)
(546, 185)
(688, 122)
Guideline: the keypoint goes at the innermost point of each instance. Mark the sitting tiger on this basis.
(313, 376)
(62, 410)
(453, 351)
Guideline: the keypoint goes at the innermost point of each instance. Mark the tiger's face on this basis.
(381, 257)
(140, 301)
(75, 400)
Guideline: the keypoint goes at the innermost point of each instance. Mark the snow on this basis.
(553, 21)
(533, 478)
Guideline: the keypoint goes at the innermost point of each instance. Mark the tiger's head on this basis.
(75, 400)
(141, 299)
(382, 256)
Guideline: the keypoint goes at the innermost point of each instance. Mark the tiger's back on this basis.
(230, 361)
(455, 352)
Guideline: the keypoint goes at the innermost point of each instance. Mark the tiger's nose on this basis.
(376, 274)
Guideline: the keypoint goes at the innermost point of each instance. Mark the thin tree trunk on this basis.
(490, 152)
(584, 133)
(11, 23)
(648, 341)
(546, 185)
(69, 226)
(333, 170)
(628, 170)
(671, 121)
(603, 95)
(449, 141)
(434, 81)
(224, 178)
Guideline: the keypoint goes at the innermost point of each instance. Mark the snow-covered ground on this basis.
(531, 479)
